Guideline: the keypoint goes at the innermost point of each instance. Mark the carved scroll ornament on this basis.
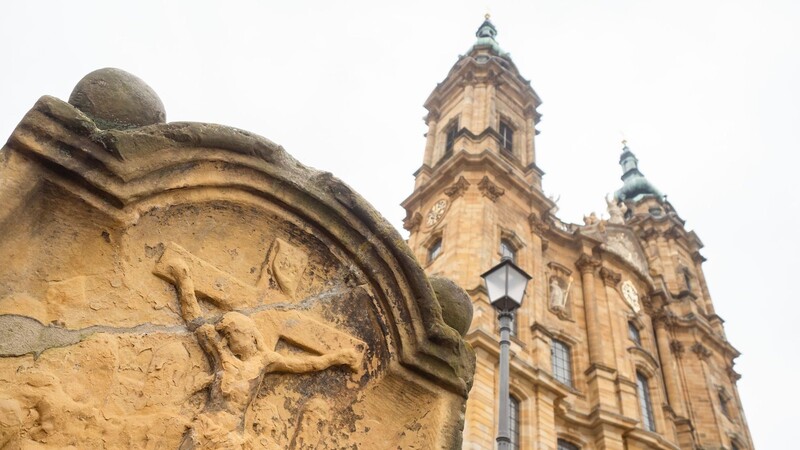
(489, 189)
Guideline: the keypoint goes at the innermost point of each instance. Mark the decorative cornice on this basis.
(733, 374)
(610, 278)
(698, 258)
(666, 317)
(433, 114)
(515, 176)
(489, 189)
(458, 188)
(411, 223)
(587, 264)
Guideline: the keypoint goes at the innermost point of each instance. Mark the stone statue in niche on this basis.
(559, 296)
(240, 355)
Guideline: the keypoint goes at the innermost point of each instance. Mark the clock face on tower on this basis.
(631, 296)
(436, 213)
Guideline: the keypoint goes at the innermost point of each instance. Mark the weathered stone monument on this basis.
(192, 286)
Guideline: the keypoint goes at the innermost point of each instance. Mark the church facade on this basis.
(617, 345)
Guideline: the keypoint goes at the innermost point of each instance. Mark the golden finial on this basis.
(487, 16)
(624, 142)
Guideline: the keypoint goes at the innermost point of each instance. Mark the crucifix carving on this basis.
(240, 349)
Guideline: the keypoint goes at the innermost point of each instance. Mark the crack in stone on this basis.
(22, 335)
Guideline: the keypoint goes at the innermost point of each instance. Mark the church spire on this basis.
(635, 185)
(486, 38)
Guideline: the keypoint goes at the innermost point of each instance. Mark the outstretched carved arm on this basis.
(295, 364)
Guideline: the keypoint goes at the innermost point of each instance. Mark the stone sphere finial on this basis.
(116, 99)
(456, 304)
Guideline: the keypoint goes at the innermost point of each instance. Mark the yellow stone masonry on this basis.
(594, 285)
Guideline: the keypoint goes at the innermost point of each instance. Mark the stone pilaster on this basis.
(668, 350)
(587, 266)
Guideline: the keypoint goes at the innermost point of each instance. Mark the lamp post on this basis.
(505, 285)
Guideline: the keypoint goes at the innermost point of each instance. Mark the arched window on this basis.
(507, 250)
(562, 362)
(506, 137)
(566, 445)
(633, 333)
(513, 422)
(645, 403)
(435, 249)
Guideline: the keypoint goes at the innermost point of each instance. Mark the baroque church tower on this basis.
(617, 345)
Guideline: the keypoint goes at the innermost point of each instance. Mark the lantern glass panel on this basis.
(496, 283)
(516, 285)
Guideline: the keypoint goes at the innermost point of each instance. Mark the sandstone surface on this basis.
(192, 286)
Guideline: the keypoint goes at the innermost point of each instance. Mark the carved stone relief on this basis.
(558, 290)
(701, 350)
(610, 278)
(489, 189)
(412, 222)
(677, 348)
(620, 244)
(191, 286)
(457, 189)
(538, 226)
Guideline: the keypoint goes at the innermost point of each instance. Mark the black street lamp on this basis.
(505, 285)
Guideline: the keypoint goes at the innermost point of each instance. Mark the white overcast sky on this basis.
(706, 92)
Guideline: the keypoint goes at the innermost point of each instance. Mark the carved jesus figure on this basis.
(240, 356)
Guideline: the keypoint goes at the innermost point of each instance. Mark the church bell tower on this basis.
(476, 196)
(479, 180)
(616, 345)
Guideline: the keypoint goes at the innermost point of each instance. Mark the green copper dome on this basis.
(635, 186)
(486, 34)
